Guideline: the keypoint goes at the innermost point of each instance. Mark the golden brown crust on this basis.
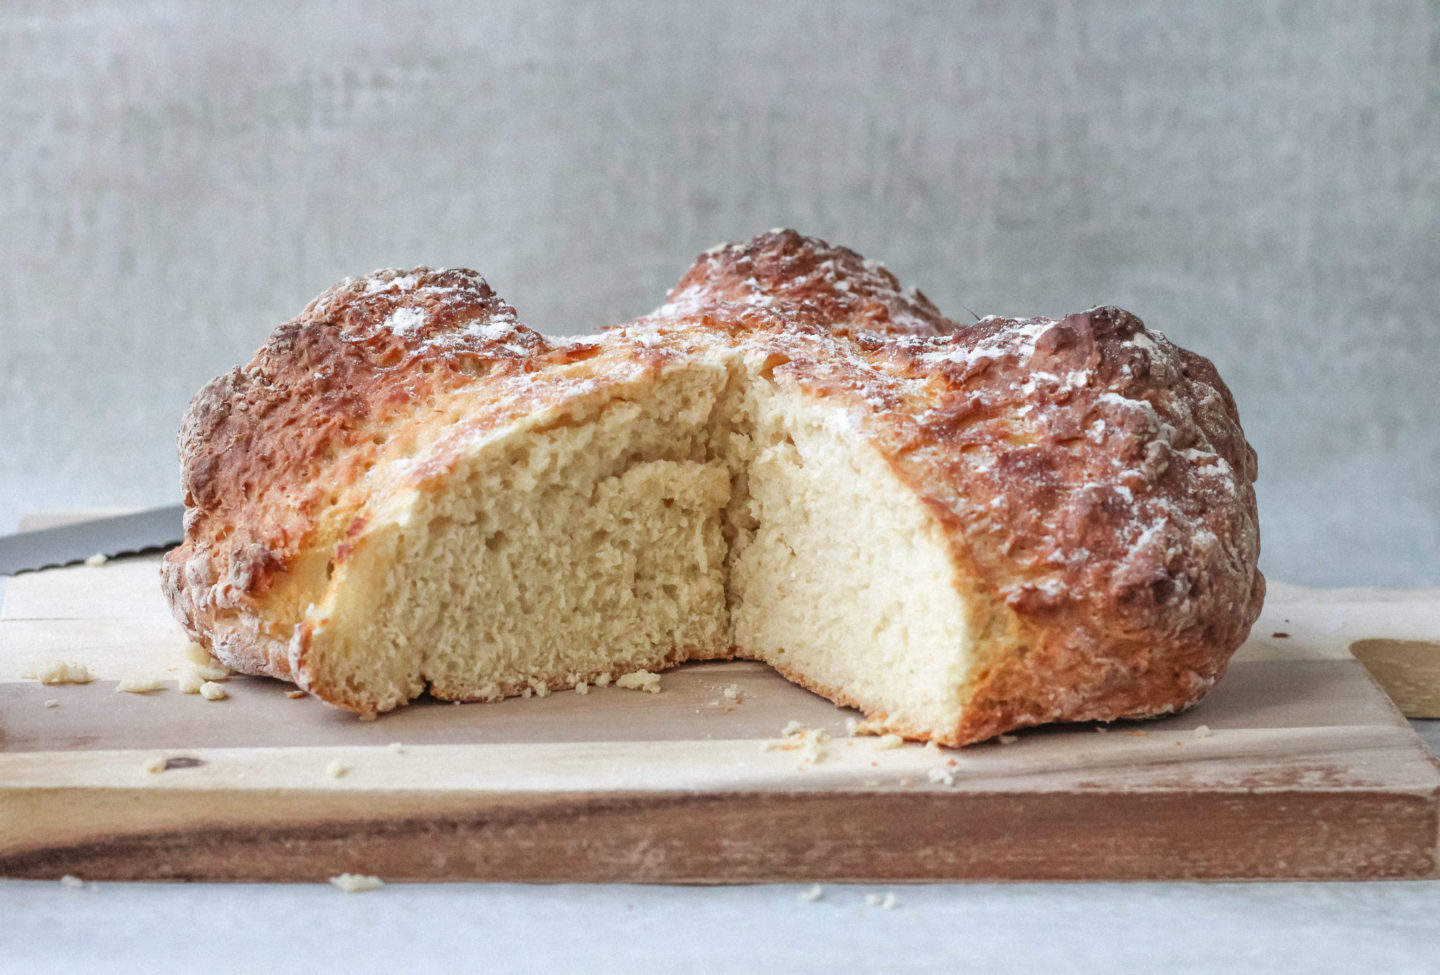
(273, 455)
(799, 281)
(1092, 477)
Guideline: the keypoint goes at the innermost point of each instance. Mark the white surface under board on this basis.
(1056, 929)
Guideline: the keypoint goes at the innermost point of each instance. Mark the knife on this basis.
(110, 537)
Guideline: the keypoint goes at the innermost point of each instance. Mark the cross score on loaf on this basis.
(960, 529)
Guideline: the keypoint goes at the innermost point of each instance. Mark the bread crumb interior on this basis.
(701, 513)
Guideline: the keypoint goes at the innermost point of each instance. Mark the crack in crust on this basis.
(1093, 477)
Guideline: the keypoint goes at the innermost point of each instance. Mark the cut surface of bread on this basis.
(696, 514)
(564, 547)
(842, 579)
(959, 530)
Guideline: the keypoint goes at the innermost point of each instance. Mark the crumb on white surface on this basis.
(99, 558)
(1203, 731)
(140, 685)
(731, 692)
(52, 703)
(1008, 739)
(72, 881)
(886, 742)
(640, 680)
(932, 746)
(295, 695)
(395, 748)
(154, 765)
(212, 691)
(940, 776)
(335, 768)
(888, 901)
(812, 895)
(793, 728)
(62, 672)
(357, 883)
(1101, 729)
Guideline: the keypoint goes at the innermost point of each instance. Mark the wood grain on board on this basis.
(1307, 771)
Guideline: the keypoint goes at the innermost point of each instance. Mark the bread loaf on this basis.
(958, 529)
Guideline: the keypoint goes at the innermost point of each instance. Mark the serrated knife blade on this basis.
(110, 537)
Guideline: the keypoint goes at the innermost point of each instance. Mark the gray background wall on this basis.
(1259, 181)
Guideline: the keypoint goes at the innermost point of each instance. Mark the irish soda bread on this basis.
(958, 529)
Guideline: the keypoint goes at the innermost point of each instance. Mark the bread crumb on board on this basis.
(60, 672)
(203, 673)
(731, 692)
(886, 742)
(940, 776)
(335, 768)
(809, 741)
(640, 680)
(72, 881)
(812, 748)
(140, 685)
(1008, 739)
(154, 766)
(862, 726)
(99, 558)
(211, 671)
(813, 894)
(205, 665)
(295, 695)
(357, 883)
(395, 748)
(215, 671)
(52, 703)
(1203, 731)
(197, 654)
(888, 902)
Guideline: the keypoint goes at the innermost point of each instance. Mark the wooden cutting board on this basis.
(1308, 772)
